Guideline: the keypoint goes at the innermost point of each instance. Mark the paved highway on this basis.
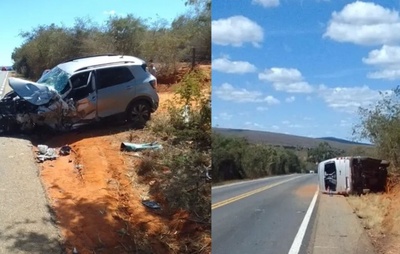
(264, 216)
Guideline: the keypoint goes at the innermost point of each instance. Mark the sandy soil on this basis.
(97, 196)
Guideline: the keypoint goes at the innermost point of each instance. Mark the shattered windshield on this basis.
(56, 78)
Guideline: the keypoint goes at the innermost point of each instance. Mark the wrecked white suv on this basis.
(81, 91)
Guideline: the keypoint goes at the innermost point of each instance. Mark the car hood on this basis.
(32, 92)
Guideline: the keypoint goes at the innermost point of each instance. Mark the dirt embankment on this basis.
(380, 216)
(97, 195)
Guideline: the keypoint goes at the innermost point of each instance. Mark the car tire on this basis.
(138, 113)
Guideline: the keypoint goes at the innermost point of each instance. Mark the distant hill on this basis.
(285, 140)
(344, 141)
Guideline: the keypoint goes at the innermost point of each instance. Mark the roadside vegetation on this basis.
(323, 152)
(380, 124)
(235, 158)
(187, 153)
(48, 45)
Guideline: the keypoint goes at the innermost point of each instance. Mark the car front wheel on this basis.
(138, 113)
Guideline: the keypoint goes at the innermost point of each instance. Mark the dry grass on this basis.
(380, 215)
(371, 209)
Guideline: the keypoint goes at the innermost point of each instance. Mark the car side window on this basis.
(80, 80)
(81, 86)
(113, 76)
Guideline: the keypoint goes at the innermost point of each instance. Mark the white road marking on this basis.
(303, 227)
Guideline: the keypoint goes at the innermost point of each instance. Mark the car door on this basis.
(115, 89)
(84, 95)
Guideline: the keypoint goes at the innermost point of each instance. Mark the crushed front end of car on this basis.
(31, 105)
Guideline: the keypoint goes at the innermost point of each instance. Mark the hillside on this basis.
(285, 140)
(343, 141)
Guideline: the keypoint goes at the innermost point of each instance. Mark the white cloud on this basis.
(271, 100)
(111, 12)
(298, 87)
(261, 108)
(228, 93)
(344, 123)
(290, 99)
(236, 31)
(386, 55)
(296, 126)
(237, 67)
(275, 127)
(266, 3)
(387, 60)
(281, 75)
(349, 99)
(224, 116)
(286, 122)
(253, 125)
(286, 79)
(385, 74)
(364, 23)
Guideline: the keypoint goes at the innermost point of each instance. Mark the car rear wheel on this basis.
(138, 113)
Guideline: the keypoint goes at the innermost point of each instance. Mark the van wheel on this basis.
(138, 113)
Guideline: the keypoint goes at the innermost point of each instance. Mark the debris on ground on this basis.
(151, 204)
(132, 147)
(186, 114)
(208, 177)
(65, 150)
(46, 153)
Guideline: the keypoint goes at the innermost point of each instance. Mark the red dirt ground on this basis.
(96, 196)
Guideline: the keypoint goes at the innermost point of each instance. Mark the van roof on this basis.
(73, 65)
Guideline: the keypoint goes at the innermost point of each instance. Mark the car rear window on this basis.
(113, 76)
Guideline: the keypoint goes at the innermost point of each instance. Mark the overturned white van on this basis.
(352, 175)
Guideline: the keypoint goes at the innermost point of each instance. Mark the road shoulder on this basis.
(337, 229)
(26, 222)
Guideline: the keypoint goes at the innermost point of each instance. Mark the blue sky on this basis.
(26, 15)
(301, 67)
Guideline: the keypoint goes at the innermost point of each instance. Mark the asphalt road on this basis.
(26, 222)
(262, 216)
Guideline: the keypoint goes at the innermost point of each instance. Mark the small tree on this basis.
(323, 152)
(380, 124)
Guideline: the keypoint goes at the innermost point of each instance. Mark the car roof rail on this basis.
(113, 64)
(87, 56)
